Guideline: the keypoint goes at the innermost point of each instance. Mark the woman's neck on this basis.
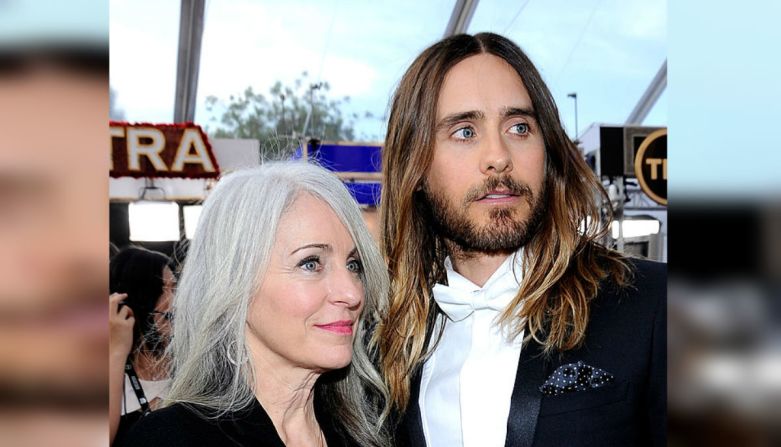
(287, 395)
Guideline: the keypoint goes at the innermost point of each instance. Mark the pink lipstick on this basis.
(342, 327)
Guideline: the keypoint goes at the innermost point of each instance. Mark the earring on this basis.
(234, 346)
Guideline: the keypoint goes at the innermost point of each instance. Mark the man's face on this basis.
(486, 181)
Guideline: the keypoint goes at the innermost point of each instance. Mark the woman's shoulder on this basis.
(177, 424)
(184, 424)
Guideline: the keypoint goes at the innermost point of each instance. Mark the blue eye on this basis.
(355, 266)
(310, 264)
(464, 133)
(520, 128)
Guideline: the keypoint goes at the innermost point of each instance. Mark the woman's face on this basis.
(306, 311)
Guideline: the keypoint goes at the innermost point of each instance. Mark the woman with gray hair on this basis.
(270, 318)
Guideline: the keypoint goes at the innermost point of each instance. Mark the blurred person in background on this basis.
(53, 223)
(280, 283)
(141, 286)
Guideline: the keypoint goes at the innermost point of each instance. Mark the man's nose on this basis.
(495, 157)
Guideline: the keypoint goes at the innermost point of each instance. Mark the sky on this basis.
(35, 20)
(722, 103)
(605, 50)
(725, 107)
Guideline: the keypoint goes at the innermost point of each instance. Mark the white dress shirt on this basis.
(467, 382)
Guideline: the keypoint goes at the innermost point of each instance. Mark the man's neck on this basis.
(476, 266)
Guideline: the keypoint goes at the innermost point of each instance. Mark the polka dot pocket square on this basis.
(574, 377)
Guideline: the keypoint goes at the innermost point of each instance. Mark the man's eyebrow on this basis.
(509, 112)
(324, 247)
(451, 119)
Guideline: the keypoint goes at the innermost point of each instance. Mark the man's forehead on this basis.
(482, 83)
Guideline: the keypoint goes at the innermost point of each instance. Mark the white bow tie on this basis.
(458, 304)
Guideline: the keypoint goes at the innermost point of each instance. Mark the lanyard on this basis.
(136, 384)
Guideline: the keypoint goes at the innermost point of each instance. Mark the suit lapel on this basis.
(410, 431)
(525, 403)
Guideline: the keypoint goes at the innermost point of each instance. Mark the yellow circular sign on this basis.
(651, 166)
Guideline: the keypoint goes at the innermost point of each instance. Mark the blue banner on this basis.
(352, 158)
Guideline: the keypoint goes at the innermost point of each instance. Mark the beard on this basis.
(505, 231)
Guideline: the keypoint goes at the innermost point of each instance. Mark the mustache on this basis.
(513, 186)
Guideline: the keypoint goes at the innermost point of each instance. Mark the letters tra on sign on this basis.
(651, 166)
(161, 150)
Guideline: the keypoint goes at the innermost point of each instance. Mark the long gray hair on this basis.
(224, 269)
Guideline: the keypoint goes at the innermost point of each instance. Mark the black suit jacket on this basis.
(627, 337)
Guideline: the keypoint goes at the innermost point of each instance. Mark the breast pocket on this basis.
(582, 400)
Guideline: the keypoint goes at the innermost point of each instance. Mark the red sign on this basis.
(161, 150)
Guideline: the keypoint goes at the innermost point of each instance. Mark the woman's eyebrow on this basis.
(324, 247)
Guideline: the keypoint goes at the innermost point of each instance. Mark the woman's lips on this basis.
(344, 327)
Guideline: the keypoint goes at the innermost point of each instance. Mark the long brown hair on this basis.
(563, 263)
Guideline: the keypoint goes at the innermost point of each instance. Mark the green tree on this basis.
(278, 119)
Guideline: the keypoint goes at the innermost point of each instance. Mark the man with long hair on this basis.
(509, 323)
